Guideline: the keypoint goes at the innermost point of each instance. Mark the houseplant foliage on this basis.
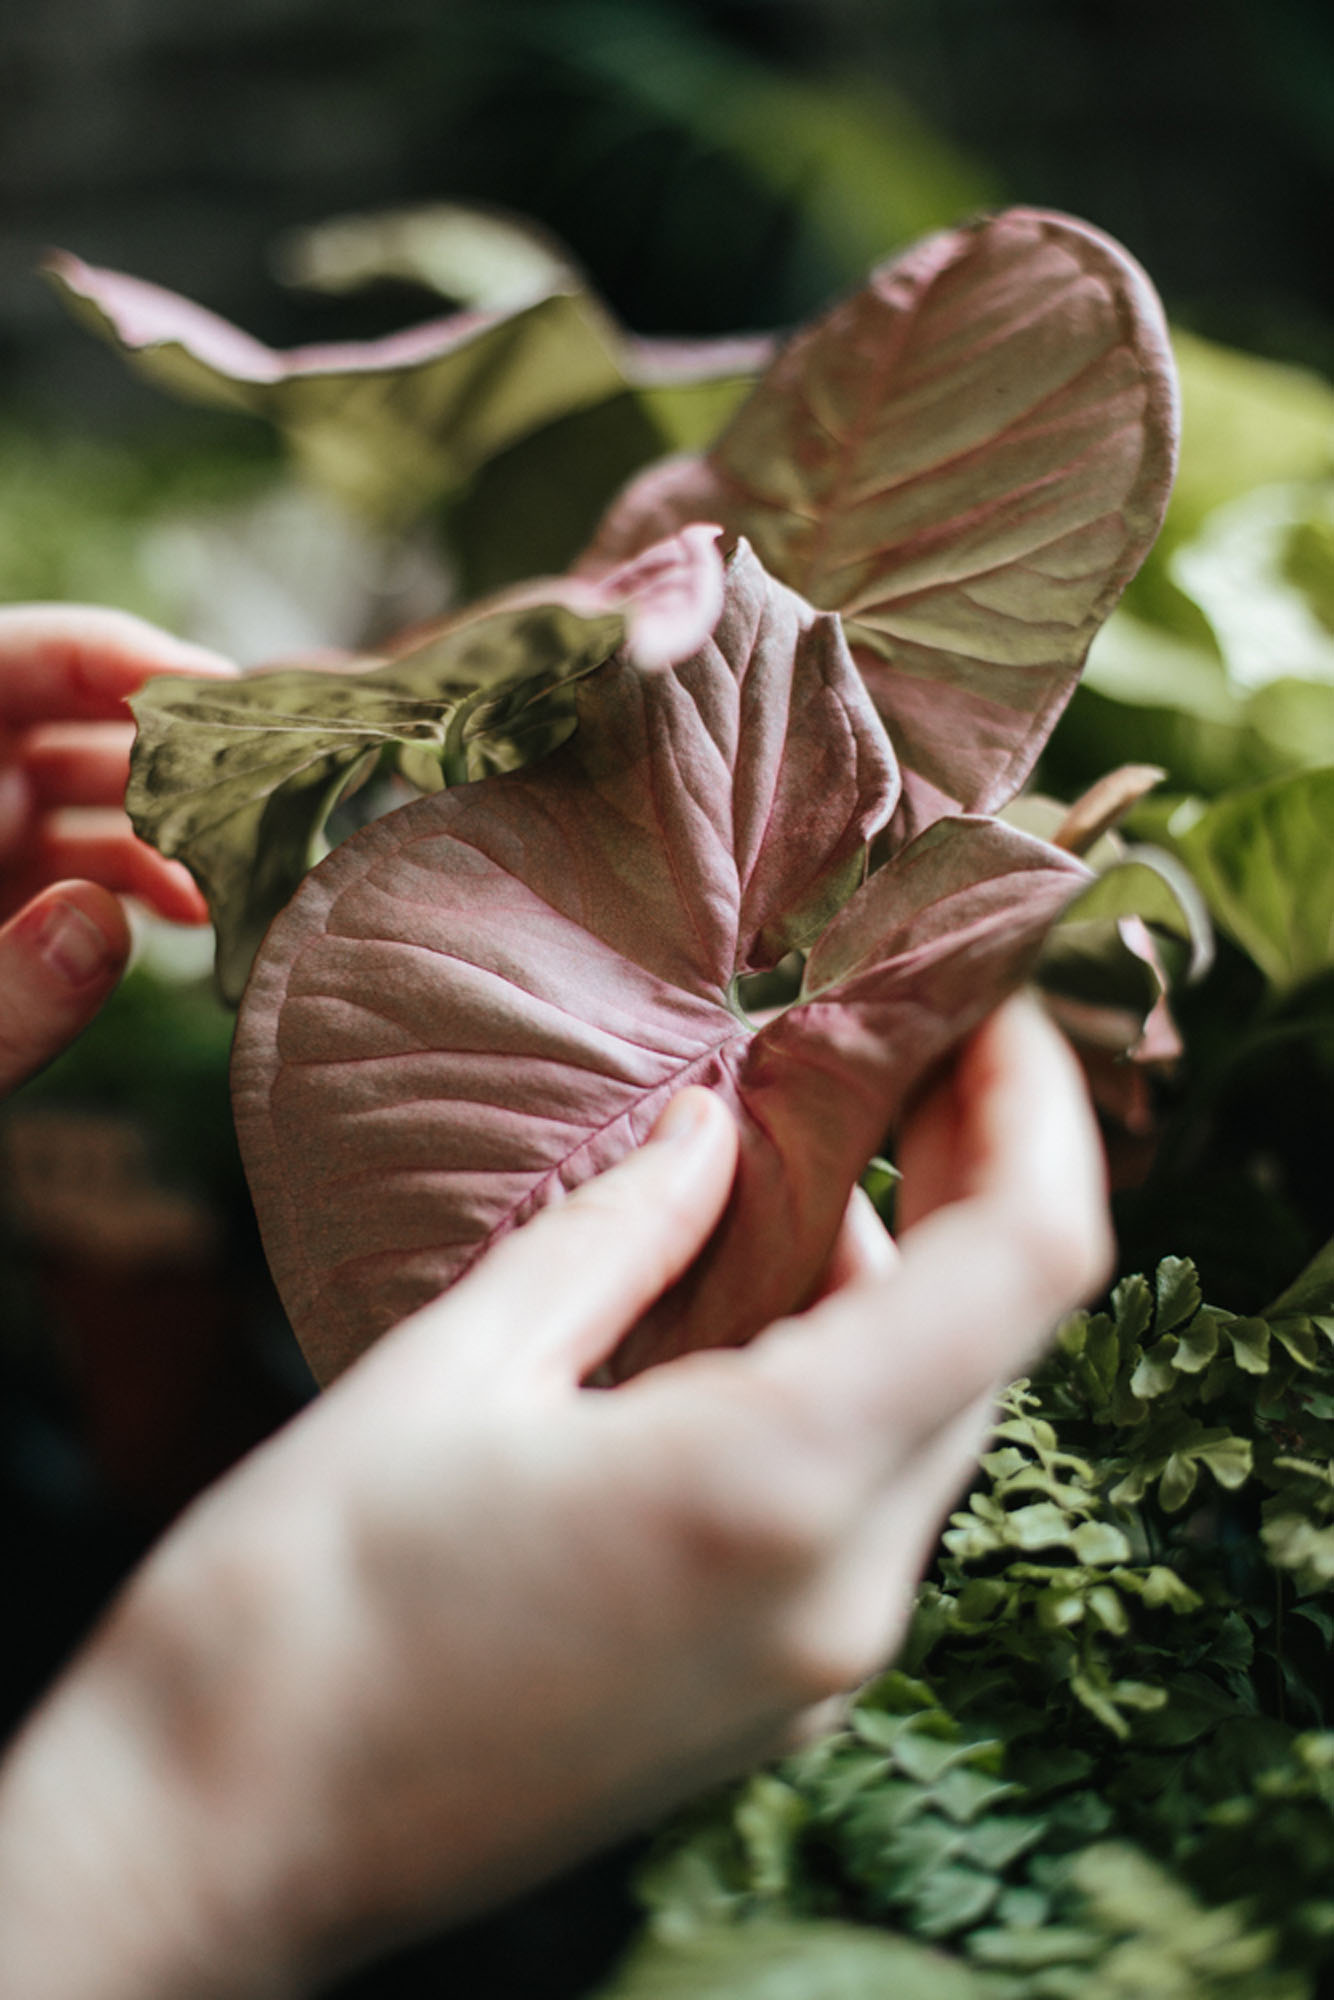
(960, 468)
(1102, 1764)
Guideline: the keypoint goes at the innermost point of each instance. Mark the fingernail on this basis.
(683, 1118)
(73, 946)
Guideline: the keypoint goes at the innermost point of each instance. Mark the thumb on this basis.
(59, 959)
(556, 1296)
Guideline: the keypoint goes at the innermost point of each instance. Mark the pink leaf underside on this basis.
(968, 459)
(478, 1002)
(144, 315)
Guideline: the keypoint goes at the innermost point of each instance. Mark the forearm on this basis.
(123, 1875)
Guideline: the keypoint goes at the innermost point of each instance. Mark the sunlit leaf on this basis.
(967, 459)
(1262, 858)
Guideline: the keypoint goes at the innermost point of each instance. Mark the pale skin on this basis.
(465, 1620)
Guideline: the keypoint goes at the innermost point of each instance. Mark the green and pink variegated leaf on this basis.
(395, 424)
(238, 778)
(968, 459)
(480, 1001)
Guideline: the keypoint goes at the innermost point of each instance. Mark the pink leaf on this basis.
(480, 1001)
(968, 460)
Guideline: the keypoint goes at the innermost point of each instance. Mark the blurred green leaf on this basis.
(1263, 859)
(790, 1961)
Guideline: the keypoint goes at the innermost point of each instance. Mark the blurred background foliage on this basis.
(712, 166)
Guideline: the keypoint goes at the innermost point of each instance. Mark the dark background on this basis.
(714, 167)
(177, 138)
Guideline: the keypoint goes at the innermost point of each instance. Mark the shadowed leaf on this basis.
(238, 778)
(394, 425)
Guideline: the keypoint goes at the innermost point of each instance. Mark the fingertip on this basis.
(179, 897)
(81, 932)
(689, 1115)
(864, 1248)
(59, 959)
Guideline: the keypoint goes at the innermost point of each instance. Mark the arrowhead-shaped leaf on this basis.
(481, 1000)
(394, 425)
(968, 460)
(237, 778)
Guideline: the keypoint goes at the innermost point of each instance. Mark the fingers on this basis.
(78, 662)
(555, 1298)
(59, 959)
(863, 1249)
(99, 845)
(1010, 1232)
(77, 763)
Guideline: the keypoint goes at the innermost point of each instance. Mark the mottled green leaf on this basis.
(237, 778)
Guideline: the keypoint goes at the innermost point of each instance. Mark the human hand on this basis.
(65, 845)
(465, 1620)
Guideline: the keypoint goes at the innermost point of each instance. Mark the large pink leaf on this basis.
(480, 1001)
(968, 459)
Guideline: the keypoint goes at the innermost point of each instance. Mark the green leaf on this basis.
(237, 778)
(1155, 1372)
(1132, 1303)
(1230, 1459)
(1151, 884)
(1097, 1542)
(1031, 1950)
(1176, 1293)
(789, 1961)
(1311, 1291)
(1245, 423)
(1298, 1337)
(1250, 1345)
(928, 1758)
(964, 1793)
(1261, 857)
(393, 426)
(769, 1818)
(1260, 570)
(1197, 1345)
(1040, 1526)
(996, 1843)
(1178, 1482)
(952, 1899)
